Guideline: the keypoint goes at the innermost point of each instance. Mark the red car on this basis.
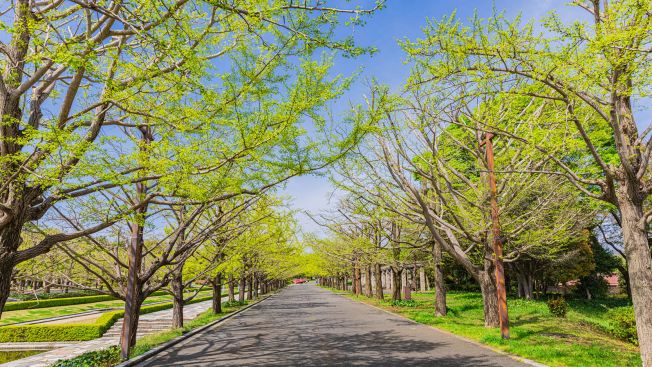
(299, 281)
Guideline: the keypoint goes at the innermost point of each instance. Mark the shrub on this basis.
(99, 358)
(43, 333)
(404, 303)
(558, 307)
(622, 323)
(234, 303)
(74, 332)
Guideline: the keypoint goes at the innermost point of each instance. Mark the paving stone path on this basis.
(305, 325)
(65, 350)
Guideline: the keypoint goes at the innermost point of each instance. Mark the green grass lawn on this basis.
(12, 355)
(11, 317)
(574, 341)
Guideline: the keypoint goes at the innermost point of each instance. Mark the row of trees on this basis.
(559, 99)
(144, 139)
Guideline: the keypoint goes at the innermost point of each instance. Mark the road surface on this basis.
(305, 325)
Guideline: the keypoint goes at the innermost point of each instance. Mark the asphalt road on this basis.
(305, 325)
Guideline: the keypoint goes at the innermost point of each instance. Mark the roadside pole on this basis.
(497, 240)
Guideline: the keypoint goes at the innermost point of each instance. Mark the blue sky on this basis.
(399, 20)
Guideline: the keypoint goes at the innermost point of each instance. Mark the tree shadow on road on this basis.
(318, 345)
(313, 327)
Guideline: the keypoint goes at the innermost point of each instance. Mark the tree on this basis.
(591, 73)
(63, 94)
(593, 285)
(426, 164)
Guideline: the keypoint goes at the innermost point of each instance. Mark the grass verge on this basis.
(574, 341)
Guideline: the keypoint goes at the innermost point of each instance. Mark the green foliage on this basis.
(558, 306)
(50, 333)
(404, 303)
(100, 358)
(22, 305)
(604, 263)
(594, 284)
(234, 303)
(622, 324)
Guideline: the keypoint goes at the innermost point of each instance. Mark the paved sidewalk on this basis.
(305, 325)
(74, 349)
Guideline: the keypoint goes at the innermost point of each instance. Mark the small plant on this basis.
(558, 307)
(100, 358)
(622, 324)
(404, 303)
(234, 303)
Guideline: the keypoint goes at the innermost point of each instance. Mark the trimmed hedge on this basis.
(55, 302)
(42, 296)
(74, 332)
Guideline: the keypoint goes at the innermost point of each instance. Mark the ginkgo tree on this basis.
(66, 97)
(592, 72)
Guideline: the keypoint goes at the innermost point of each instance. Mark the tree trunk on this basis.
(625, 275)
(217, 293)
(368, 289)
(489, 299)
(357, 279)
(379, 282)
(422, 279)
(396, 284)
(525, 285)
(241, 289)
(133, 294)
(639, 263)
(250, 286)
(525, 280)
(46, 285)
(130, 325)
(231, 288)
(440, 290)
(407, 287)
(6, 270)
(256, 287)
(10, 240)
(177, 300)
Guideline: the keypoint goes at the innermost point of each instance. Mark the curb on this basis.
(152, 352)
(502, 352)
